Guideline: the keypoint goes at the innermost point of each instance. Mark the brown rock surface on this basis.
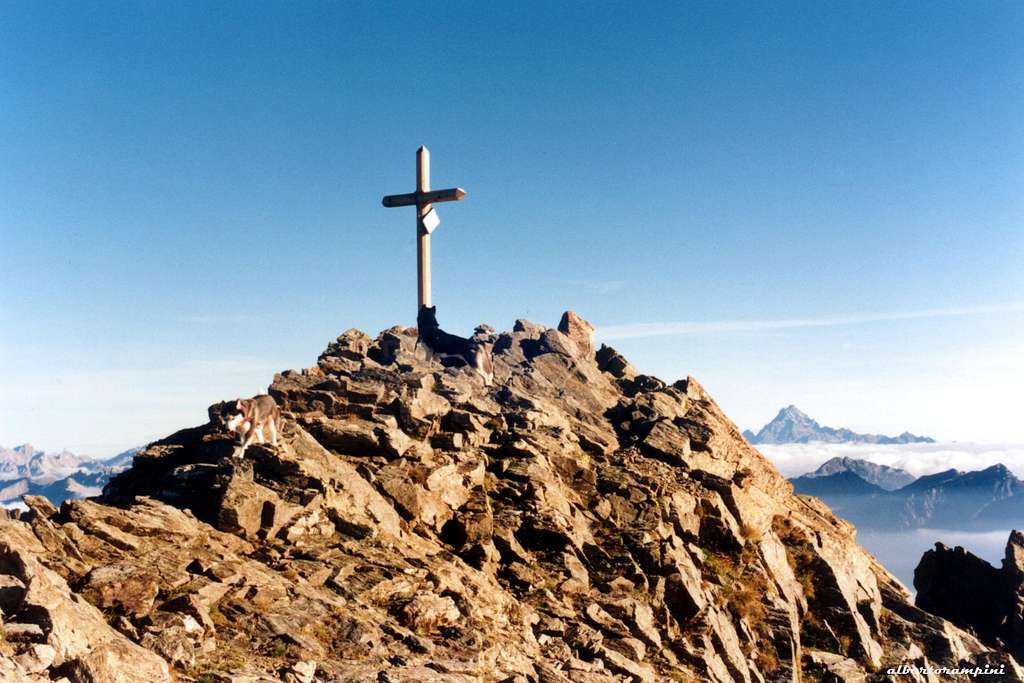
(575, 522)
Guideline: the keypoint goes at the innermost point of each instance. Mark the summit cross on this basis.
(426, 219)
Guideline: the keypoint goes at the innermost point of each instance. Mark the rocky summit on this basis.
(573, 521)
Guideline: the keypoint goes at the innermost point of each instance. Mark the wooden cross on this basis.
(426, 219)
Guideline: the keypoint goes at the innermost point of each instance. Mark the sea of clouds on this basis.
(918, 459)
(900, 551)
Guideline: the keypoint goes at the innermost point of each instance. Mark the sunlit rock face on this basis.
(571, 521)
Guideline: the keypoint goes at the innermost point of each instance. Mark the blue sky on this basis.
(810, 203)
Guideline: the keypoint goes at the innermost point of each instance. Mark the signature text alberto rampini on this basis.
(906, 669)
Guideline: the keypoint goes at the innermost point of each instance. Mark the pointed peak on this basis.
(791, 411)
(998, 470)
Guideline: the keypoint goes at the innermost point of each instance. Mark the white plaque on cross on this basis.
(431, 221)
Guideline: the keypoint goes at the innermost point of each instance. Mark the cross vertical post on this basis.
(426, 219)
(422, 234)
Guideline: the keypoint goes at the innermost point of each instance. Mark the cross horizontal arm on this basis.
(399, 200)
(452, 194)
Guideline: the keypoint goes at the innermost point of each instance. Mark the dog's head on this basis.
(426, 319)
(239, 421)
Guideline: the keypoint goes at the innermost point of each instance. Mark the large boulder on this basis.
(579, 331)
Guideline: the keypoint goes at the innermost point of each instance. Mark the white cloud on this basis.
(660, 329)
(219, 319)
(918, 459)
(599, 286)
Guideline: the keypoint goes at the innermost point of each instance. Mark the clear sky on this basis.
(815, 203)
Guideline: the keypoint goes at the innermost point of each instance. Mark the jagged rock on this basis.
(175, 637)
(667, 442)
(36, 659)
(406, 485)
(195, 606)
(427, 612)
(248, 508)
(40, 506)
(579, 331)
(523, 325)
(575, 522)
(300, 672)
(839, 668)
(123, 586)
(16, 632)
(1013, 561)
(350, 436)
(12, 593)
(614, 363)
(685, 596)
(621, 664)
(956, 585)
(352, 344)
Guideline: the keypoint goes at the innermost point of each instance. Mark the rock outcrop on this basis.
(973, 594)
(576, 521)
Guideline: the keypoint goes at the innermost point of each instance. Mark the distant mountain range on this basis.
(866, 494)
(792, 425)
(61, 476)
(881, 476)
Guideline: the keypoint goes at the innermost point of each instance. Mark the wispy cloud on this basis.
(661, 329)
(218, 319)
(599, 286)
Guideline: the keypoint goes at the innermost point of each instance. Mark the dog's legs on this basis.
(247, 439)
(273, 431)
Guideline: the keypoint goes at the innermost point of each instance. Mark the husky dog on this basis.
(473, 351)
(255, 417)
